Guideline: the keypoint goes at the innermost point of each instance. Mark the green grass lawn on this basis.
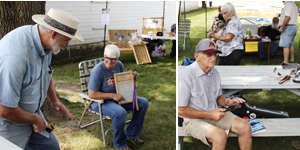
(276, 100)
(156, 82)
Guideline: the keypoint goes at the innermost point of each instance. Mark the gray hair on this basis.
(47, 30)
(44, 29)
(230, 8)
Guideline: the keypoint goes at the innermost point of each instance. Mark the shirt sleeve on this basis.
(289, 12)
(184, 93)
(121, 66)
(266, 30)
(95, 81)
(232, 28)
(12, 70)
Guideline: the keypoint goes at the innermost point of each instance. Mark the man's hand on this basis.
(118, 97)
(280, 30)
(235, 101)
(57, 106)
(39, 124)
(217, 114)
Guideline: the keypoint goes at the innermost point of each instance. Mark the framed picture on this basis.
(125, 87)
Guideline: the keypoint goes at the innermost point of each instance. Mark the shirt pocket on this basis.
(215, 92)
(198, 99)
(30, 96)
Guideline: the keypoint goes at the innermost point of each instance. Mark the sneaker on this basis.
(296, 144)
(125, 148)
(136, 141)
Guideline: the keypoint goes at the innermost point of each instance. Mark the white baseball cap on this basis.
(112, 51)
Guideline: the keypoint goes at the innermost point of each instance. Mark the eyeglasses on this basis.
(211, 54)
(111, 59)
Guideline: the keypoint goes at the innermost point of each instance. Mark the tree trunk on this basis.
(14, 14)
(203, 4)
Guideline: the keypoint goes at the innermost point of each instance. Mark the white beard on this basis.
(275, 26)
(55, 46)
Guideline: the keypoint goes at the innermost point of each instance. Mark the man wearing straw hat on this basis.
(26, 78)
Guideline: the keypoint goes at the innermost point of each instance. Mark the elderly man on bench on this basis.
(200, 93)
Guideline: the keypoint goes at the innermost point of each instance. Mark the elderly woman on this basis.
(230, 40)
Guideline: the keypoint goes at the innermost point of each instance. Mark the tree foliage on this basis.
(14, 14)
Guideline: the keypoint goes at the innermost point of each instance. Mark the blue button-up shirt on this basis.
(24, 79)
(198, 90)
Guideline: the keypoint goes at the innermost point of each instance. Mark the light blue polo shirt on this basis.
(197, 89)
(25, 74)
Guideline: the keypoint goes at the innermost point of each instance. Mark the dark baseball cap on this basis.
(206, 46)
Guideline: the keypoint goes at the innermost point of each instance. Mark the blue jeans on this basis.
(119, 113)
(273, 50)
(38, 141)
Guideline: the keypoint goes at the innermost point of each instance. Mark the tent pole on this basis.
(179, 12)
(205, 19)
(105, 29)
(164, 17)
(184, 9)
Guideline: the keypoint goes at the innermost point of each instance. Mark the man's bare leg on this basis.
(243, 129)
(286, 52)
(217, 137)
(292, 59)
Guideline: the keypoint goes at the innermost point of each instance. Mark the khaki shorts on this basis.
(197, 127)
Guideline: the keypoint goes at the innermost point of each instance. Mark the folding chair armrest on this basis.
(87, 97)
(185, 32)
(111, 42)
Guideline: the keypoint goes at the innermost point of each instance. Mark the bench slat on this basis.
(275, 128)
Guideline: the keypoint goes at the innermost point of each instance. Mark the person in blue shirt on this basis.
(26, 78)
(102, 86)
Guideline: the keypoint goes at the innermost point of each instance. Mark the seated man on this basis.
(272, 32)
(100, 88)
(200, 94)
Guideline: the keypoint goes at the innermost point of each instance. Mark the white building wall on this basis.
(123, 15)
(189, 5)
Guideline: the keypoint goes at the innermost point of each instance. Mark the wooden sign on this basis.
(125, 87)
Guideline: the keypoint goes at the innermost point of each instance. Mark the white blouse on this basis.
(234, 27)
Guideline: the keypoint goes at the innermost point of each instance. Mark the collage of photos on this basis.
(149, 75)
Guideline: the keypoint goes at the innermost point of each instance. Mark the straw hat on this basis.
(60, 21)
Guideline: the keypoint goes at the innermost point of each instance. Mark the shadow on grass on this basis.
(159, 124)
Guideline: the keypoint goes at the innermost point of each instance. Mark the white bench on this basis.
(275, 128)
(7, 145)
